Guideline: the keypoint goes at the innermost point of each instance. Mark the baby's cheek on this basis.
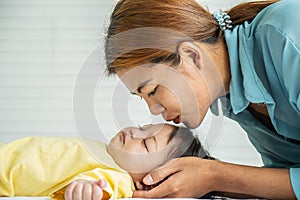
(134, 149)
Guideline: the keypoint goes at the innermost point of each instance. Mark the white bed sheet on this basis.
(47, 198)
(24, 198)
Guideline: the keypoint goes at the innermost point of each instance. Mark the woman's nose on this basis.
(156, 109)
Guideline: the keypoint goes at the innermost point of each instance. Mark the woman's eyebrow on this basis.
(141, 85)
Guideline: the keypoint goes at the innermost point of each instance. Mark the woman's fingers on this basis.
(158, 175)
(184, 177)
(162, 172)
(160, 191)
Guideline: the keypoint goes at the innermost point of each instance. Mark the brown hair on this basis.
(149, 31)
(189, 142)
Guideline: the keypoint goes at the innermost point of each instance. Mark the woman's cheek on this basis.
(169, 99)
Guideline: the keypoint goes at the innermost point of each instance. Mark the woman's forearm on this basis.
(254, 181)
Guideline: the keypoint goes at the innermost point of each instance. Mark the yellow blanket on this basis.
(44, 166)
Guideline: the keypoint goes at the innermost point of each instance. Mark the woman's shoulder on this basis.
(281, 15)
(279, 20)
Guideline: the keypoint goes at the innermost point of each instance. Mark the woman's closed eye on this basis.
(153, 91)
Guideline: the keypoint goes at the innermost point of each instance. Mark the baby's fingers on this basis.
(87, 191)
(102, 183)
(97, 192)
(69, 191)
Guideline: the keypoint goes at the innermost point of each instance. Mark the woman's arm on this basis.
(195, 177)
(267, 183)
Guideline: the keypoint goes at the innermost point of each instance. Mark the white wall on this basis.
(43, 45)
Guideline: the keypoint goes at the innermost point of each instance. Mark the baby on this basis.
(81, 169)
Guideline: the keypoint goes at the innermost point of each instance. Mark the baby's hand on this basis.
(87, 190)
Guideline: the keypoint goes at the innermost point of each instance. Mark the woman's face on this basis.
(178, 94)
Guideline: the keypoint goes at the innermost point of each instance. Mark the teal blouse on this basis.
(265, 68)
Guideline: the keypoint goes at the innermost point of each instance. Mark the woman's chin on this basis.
(191, 125)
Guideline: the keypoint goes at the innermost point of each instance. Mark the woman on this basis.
(180, 58)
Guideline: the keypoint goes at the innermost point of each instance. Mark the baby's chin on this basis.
(138, 177)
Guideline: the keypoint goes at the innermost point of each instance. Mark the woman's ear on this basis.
(190, 53)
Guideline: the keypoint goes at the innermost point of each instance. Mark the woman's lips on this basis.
(176, 120)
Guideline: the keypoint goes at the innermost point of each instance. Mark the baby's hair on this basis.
(190, 142)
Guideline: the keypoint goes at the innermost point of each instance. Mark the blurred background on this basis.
(43, 46)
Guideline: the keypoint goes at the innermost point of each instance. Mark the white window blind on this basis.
(43, 44)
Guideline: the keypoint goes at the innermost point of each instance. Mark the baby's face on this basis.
(157, 136)
(141, 155)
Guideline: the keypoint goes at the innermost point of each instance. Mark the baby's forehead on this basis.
(180, 133)
(173, 134)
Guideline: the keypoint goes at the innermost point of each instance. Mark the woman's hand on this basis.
(195, 177)
(87, 190)
(181, 177)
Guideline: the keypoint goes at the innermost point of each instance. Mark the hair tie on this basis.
(223, 19)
